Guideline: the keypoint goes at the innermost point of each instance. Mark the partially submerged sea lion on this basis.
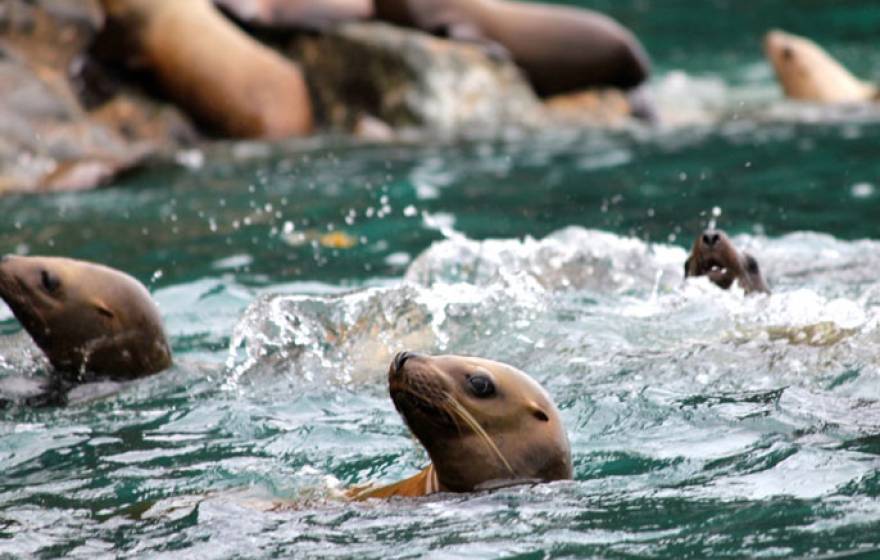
(807, 72)
(87, 318)
(226, 79)
(715, 256)
(484, 424)
(561, 48)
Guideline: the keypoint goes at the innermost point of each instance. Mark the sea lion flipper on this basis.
(687, 267)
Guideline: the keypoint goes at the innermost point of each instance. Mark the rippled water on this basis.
(703, 423)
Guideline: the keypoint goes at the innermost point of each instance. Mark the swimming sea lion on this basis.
(304, 14)
(561, 48)
(809, 73)
(715, 256)
(484, 424)
(87, 318)
(227, 80)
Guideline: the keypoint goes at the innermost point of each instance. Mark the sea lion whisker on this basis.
(452, 415)
(475, 426)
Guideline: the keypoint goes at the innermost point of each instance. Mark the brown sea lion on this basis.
(87, 318)
(807, 72)
(484, 424)
(561, 48)
(227, 80)
(304, 14)
(715, 256)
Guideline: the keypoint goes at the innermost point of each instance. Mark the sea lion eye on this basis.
(50, 283)
(481, 386)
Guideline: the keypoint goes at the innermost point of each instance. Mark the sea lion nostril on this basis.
(710, 238)
(714, 238)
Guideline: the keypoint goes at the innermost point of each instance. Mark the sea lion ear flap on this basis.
(687, 266)
(103, 309)
(538, 413)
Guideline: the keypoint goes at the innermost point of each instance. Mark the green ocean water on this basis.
(703, 423)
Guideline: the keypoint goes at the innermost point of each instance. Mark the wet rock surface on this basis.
(49, 139)
(408, 78)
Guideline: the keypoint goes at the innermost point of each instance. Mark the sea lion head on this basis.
(714, 255)
(482, 422)
(807, 72)
(85, 317)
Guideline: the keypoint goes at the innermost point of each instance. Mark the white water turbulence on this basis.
(591, 308)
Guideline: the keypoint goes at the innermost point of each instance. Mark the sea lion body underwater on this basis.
(561, 48)
(90, 320)
(483, 423)
(715, 256)
(808, 73)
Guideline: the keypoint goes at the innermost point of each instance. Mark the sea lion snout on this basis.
(710, 237)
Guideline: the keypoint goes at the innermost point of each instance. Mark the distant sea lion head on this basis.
(482, 422)
(807, 72)
(714, 255)
(85, 316)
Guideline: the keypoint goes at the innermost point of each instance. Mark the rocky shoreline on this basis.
(72, 118)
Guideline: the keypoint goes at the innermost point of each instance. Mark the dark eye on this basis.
(482, 386)
(50, 283)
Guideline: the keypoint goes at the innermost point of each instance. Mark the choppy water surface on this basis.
(703, 423)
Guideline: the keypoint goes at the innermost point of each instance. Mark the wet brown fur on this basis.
(229, 82)
(561, 48)
(715, 256)
(527, 442)
(87, 318)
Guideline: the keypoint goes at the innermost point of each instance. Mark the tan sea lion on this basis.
(223, 77)
(561, 48)
(807, 72)
(483, 423)
(305, 14)
(87, 318)
(715, 256)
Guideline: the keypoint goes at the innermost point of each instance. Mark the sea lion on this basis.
(483, 423)
(228, 81)
(715, 256)
(89, 320)
(560, 48)
(809, 73)
(302, 14)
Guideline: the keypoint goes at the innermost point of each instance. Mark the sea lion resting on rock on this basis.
(715, 256)
(484, 424)
(809, 73)
(561, 48)
(91, 321)
(227, 80)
